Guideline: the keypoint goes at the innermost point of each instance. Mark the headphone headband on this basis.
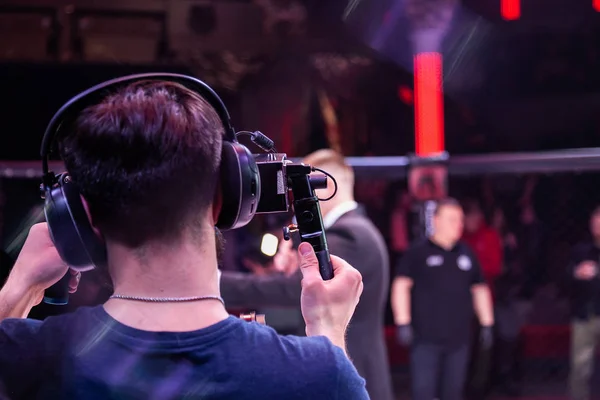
(70, 229)
(93, 95)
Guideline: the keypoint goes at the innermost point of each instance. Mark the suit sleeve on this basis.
(248, 290)
(342, 244)
(21, 357)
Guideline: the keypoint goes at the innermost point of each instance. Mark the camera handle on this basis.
(308, 214)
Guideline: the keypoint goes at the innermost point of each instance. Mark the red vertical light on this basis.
(429, 104)
(511, 9)
(596, 4)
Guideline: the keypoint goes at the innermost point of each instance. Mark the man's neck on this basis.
(443, 242)
(184, 269)
(332, 204)
(597, 242)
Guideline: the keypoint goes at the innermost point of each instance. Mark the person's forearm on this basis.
(482, 303)
(15, 302)
(336, 336)
(401, 301)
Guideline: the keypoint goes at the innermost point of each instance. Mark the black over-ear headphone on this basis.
(69, 226)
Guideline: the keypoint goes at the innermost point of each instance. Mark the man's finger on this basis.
(338, 264)
(309, 265)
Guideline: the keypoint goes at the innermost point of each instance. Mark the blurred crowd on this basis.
(522, 229)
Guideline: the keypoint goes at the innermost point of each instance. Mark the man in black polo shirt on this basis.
(438, 284)
(585, 301)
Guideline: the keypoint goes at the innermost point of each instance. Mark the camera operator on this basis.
(438, 283)
(352, 236)
(146, 160)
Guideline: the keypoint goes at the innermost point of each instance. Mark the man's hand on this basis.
(286, 260)
(38, 267)
(328, 306)
(586, 270)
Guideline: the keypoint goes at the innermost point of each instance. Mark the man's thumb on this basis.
(309, 265)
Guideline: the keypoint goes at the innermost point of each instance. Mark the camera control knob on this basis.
(287, 230)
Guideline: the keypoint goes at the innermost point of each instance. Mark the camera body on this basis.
(274, 193)
(277, 177)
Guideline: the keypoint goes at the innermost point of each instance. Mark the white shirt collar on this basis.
(336, 212)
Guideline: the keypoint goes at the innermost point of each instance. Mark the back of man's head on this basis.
(146, 160)
(332, 162)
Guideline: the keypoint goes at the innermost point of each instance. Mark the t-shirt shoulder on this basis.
(261, 360)
(312, 366)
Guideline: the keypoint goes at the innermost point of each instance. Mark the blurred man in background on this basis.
(437, 285)
(585, 299)
(353, 237)
(488, 248)
(484, 241)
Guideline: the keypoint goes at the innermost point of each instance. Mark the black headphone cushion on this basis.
(70, 229)
(240, 186)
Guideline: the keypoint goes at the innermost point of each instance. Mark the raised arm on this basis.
(37, 268)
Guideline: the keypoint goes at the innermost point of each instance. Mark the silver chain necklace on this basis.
(167, 299)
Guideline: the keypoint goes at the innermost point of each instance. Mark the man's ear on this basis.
(87, 212)
(217, 204)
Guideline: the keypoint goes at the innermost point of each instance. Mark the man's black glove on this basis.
(486, 337)
(404, 334)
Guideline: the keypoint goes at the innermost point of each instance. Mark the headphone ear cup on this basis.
(240, 185)
(70, 229)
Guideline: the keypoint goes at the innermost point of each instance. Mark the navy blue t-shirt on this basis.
(89, 355)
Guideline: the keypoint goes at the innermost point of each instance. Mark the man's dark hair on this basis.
(146, 159)
(447, 202)
(596, 212)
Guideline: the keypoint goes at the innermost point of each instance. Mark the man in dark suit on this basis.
(353, 237)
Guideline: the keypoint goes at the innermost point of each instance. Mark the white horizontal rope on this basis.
(573, 160)
(26, 169)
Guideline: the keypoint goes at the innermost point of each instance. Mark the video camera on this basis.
(280, 176)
